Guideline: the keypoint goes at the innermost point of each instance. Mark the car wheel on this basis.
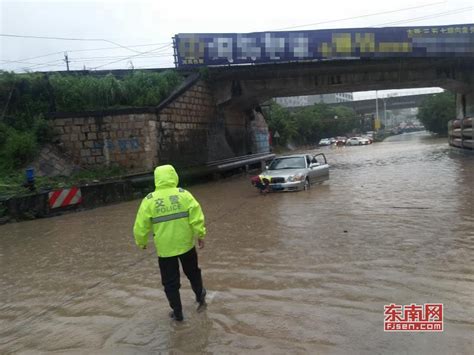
(307, 185)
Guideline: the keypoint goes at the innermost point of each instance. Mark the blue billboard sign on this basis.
(269, 47)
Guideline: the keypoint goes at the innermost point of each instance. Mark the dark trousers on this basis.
(169, 269)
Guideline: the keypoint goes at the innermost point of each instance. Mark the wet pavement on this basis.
(305, 272)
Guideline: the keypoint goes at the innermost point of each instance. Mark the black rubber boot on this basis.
(176, 316)
(202, 300)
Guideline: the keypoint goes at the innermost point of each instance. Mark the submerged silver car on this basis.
(297, 172)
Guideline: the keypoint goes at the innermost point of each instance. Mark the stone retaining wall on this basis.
(177, 132)
(123, 139)
(185, 130)
(184, 125)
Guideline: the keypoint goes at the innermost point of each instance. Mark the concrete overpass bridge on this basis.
(214, 115)
(247, 86)
(244, 70)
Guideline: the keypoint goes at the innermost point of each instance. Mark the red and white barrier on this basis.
(65, 197)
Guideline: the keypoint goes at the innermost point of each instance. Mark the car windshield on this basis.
(288, 163)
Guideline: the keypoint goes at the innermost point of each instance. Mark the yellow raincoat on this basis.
(173, 215)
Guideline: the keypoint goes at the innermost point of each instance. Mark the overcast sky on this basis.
(147, 26)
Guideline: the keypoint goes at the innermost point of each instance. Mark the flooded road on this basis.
(305, 272)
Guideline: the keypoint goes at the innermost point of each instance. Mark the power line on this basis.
(161, 51)
(148, 54)
(115, 48)
(40, 64)
(153, 67)
(130, 57)
(138, 56)
(120, 58)
(25, 59)
(439, 14)
(21, 62)
(68, 39)
(85, 50)
(361, 16)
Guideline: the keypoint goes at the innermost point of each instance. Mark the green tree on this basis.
(308, 125)
(22, 97)
(19, 149)
(318, 121)
(279, 120)
(436, 111)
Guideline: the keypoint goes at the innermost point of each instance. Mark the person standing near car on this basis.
(176, 218)
(262, 183)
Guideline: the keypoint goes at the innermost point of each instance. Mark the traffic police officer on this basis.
(175, 218)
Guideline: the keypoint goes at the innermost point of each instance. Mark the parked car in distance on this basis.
(357, 141)
(324, 142)
(370, 139)
(339, 141)
(296, 172)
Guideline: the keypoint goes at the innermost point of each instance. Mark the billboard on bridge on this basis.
(268, 47)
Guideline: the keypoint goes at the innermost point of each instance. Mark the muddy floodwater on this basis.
(304, 272)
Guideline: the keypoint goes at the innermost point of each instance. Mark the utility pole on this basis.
(175, 52)
(376, 110)
(66, 59)
(376, 105)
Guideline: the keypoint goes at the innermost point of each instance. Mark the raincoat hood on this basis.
(165, 177)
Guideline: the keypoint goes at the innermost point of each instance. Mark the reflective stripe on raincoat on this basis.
(264, 177)
(173, 215)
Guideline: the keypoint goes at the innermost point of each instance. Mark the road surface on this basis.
(304, 272)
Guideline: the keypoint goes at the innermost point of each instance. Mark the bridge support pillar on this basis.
(465, 105)
(460, 131)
